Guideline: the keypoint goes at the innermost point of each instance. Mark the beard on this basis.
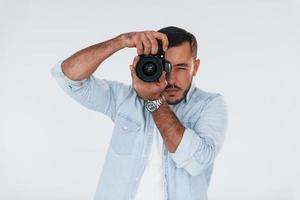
(176, 101)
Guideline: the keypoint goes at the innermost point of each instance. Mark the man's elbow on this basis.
(199, 163)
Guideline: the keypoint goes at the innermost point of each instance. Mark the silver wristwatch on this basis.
(155, 104)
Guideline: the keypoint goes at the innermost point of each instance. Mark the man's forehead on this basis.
(179, 54)
(183, 49)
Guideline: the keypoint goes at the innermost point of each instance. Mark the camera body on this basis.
(149, 68)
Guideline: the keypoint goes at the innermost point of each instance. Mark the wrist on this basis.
(123, 40)
(120, 42)
(153, 98)
(153, 105)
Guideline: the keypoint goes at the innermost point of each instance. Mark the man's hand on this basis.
(147, 90)
(145, 41)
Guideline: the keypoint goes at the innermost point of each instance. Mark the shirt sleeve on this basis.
(198, 148)
(99, 95)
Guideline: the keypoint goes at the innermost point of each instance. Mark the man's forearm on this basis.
(169, 126)
(84, 63)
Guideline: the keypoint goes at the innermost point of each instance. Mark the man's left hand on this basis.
(147, 90)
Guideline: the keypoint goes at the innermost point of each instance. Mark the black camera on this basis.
(149, 68)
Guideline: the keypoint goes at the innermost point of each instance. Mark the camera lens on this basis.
(149, 68)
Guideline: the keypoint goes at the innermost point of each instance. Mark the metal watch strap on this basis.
(157, 104)
(161, 100)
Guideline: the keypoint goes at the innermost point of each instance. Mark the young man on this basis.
(163, 153)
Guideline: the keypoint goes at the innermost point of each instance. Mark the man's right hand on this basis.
(145, 42)
(83, 63)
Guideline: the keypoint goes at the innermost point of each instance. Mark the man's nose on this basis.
(171, 77)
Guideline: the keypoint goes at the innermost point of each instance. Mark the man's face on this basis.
(184, 67)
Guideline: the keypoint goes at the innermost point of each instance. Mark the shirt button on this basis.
(125, 127)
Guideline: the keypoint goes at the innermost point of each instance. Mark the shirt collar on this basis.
(189, 93)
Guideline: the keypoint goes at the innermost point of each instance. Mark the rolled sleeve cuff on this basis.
(57, 72)
(187, 147)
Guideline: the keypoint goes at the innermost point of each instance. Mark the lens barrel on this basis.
(149, 68)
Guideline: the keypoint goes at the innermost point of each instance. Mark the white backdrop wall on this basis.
(52, 148)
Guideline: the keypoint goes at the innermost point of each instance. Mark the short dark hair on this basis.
(176, 36)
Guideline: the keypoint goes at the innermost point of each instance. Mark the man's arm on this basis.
(169, 126)
(74, 75)
(84, 63)
(194, 149)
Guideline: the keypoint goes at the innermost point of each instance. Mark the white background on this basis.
(53, 148)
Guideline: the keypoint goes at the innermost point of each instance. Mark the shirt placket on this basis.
(145, 160)
(165, 172)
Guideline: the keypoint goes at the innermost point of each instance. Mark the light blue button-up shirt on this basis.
(186, 172)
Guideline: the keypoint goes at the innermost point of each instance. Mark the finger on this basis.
(136, 81)
(133, 67)
(163, 76)
(146, 43)
(139, 47)
(163, 38)
(134, 62)
(133, 74)
(162, 80)
(154, 44)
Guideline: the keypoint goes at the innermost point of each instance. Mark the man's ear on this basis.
(196, 66)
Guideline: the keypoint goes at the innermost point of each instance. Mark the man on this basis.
(165, 153)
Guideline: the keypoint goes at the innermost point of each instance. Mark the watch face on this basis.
(151, 106)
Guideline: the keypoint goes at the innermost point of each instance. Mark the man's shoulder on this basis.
(202, 96)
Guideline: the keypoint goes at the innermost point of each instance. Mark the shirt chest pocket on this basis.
(125, 134)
